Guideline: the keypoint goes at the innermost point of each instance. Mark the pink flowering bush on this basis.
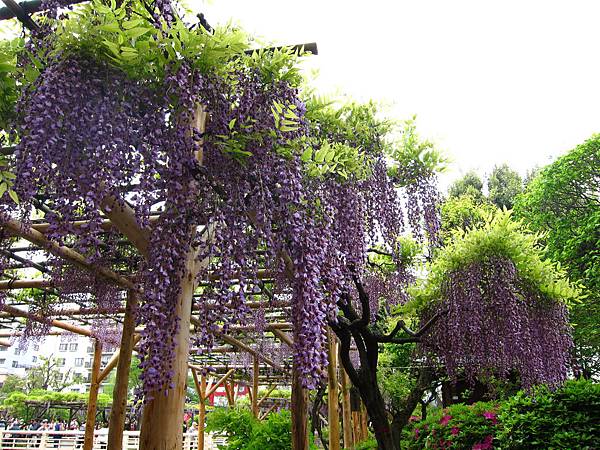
(456, 427)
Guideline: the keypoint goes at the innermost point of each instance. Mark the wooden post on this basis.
(202, 395)
(90, 421)
(163, 415)
(333, 413)
(346, 410)
(119, 405)
(299, 413)
(255, 374)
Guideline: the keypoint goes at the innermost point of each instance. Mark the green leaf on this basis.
(14, 196)
(306, 155)
(3, 188)
(112, 27)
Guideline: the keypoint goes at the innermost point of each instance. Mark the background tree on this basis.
(470, 184)
(462, 213)
(563, 202)
(50, 375)
(12, 383)
(504, 185)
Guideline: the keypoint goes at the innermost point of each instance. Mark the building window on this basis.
(2, 361)
(63, 347)
(73, 347)
(90, 350)
(88, 364)
(60, 361)
(36, 347)
(18, 351)
(3, 348)
(34, 359)
(78, 362)
(15, 364)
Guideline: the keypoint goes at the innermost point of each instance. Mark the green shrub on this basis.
(458, 427)
(236, 424)
(567, 418)
(244, 432)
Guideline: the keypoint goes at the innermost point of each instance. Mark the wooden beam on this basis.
(264, 397)
(239, 344)
(35, 237)
(283, 337)
(333, 413)
(122, 216)
(299, 413)
(4, 343)
(25, 284)
(119, 403)
(90, 421)
(214, 387)
(255, 374)
(53, 322)
(268, 411)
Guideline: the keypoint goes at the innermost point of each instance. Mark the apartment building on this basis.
(73, 354)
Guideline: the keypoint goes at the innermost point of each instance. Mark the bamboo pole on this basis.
(346, 410)
(255, 374)
(90, 421)
(35, 237)
(333, 413)
(299, 413)
(119, 403)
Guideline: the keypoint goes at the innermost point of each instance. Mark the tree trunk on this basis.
(375, 405)
(402, 417)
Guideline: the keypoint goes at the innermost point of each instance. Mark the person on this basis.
(58, 426)
(34, 425)
(13, 437)
(102, 435)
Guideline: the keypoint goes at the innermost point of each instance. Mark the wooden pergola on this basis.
(163, 415)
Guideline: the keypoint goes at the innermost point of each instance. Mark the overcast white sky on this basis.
(490, 81)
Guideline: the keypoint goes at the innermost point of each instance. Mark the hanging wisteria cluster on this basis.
(265, 189)
(503, 309)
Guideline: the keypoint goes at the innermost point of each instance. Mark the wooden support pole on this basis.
(161, 420)
(264, 397)
(90, 421)
(255, 375)
(114, 360)
(333, 413)
(35, 237)
(267, 412)
(299, 413)
(346, 410)
(119, 404)
(229, 390)
(201, 390)
(214, 387)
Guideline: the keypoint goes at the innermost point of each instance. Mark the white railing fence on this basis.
(72, 440)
